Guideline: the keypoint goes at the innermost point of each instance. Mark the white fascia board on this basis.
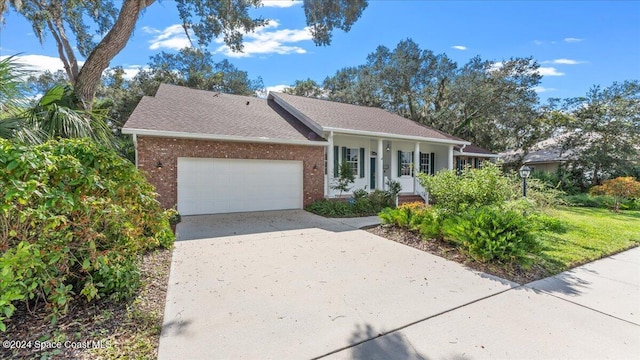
(396, 136)
(315, 127)
(185, 135)
(458, 153)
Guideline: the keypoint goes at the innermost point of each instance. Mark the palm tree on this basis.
(12, 96)
(56, 114)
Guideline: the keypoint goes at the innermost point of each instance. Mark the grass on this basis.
(590, 234)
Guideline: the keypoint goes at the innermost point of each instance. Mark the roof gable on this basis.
(181, 110)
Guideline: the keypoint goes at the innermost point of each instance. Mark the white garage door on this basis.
(211, 186)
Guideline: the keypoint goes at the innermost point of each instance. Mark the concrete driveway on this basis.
(292, 285)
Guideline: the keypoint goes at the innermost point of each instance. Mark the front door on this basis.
(372, 181)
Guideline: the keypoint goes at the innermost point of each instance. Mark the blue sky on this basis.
(577, 43)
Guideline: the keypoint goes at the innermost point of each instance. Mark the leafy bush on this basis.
(472, 188)
(621, 188)
(415, 217)
(74, 216)
(541, 194)
(492, 233)
(601, 201)
(362, 203)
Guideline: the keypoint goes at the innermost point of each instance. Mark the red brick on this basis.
(152, 150)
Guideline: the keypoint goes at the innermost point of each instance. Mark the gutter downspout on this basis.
(135, 148)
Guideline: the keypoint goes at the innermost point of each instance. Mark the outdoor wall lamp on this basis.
(159, 165)
(524, 171)
(315, 167)
(388, 147)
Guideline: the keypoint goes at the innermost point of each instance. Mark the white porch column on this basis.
(380, 167)
(450, 162)
(330, 160)
(416, 165)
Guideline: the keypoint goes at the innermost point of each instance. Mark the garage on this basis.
(212, 185)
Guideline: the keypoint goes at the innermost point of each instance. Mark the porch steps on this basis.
(403, 199)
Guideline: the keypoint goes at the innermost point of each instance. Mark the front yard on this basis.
(586, 234)
(591, 234)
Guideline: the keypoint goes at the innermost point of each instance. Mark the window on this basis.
(352, 158)
(406, 159)
(424, 163)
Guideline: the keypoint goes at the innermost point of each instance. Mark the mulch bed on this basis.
(449, 251)
(122, 327)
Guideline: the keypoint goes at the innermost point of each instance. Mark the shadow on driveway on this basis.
(221, 225)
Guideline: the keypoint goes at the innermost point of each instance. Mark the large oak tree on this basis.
(116, 20)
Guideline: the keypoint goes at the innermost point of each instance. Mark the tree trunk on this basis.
(89, 76)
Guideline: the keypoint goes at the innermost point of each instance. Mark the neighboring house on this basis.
(208, 152)
(472, 156)
(546, 155)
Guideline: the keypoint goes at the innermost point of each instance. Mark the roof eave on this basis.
(458, 153)
(395, 136)
(186, 135)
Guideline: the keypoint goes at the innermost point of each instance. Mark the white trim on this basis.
(457, 153)
(396, 136)
(135, 149)
(297, 114)
(185, 135)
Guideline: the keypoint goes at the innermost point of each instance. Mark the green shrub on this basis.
(601, 201)
(362, 203)
(493, 234)
(82, 214)
(454, 193)
(330, 208)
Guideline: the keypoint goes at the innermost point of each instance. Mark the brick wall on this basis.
(168, 150)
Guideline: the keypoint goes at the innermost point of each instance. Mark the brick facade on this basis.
(152, 150)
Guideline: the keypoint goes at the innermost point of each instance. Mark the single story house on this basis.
(546, 155)
(208, 152)
(472, 156)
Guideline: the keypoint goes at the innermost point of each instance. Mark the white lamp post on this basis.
(524, 171)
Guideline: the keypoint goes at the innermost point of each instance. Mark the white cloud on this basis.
(39, 63)
(276, 88)
(549, 71)
(541, 89)
(268, 42)
(538, 42)
(568, 62)
(172, 37)
(131, 71)
(280, 3)
(563, 62)
(572, 40)
(459, 47)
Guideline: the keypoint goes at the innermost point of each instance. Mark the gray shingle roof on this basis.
(184, 110)
(473, 149)
(329, 114)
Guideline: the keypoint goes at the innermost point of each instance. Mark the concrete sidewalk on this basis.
(590, 312)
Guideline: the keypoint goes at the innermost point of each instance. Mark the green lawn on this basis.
(590, 234)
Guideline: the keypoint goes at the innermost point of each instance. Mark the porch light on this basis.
(388, 147)
(524, 171)
(159, 165)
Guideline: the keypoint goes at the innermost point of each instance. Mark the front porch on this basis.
(376, 161)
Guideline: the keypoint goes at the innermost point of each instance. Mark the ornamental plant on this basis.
(620, 189)
(74, 218)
